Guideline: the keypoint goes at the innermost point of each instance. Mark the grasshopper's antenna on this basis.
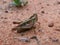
(35, 11)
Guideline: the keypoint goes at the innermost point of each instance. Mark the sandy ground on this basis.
(47, 33)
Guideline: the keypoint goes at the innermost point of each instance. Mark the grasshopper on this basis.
(27, 24)
(19, 3)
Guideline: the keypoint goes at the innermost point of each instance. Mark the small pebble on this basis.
(51, 24)
(23, 39)
(58, 29)
(42, 12)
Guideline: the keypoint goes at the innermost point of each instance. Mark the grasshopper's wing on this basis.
(29, 23)
(26, 24)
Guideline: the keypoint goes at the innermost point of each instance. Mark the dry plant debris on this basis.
(19, 3)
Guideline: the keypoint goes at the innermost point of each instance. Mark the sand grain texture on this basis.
(47, 32)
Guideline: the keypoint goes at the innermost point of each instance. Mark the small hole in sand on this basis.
(42, 7)
(42, 12)
(1, 17)
(58, 2)
(48, 5)
(27, 9)
(39, 3)
(57, 29)
(6, 11)
(5, 18)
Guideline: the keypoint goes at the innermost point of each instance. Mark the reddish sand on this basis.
(48, 32)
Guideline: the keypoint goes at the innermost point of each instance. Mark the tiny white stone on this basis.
(23, 39)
